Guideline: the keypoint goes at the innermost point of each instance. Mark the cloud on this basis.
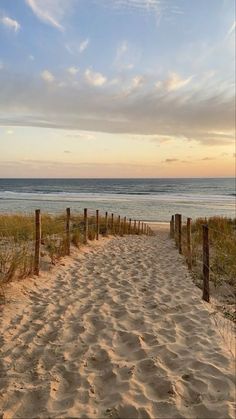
(67, 151)
(160, 8)
(50, 12)
(83, 45)
(174, 82)
(73, 70)
(47, 76)
(205, 116)
(208, 158)
(231, 29)
(82, 136)
(10, 23)
(94, 79)
(171, 160)
(136, 83)
(123, 56)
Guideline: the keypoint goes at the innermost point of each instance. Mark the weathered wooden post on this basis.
(37, 242)
(97, 224)
(85, 225)
(189, 243)
(135, 231)
(118, 226)
(138, 227)
(106, 223)
(176, 229)
(206, 263)
(142, 228)
(68, 231)
(112, 223)
(180, 233)
(129, 226)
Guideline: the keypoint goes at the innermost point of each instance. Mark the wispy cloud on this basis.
(173, 82)
(50, 12)
(194, 116)
(84, 45)
(123, 56)
(47, 76)
(10, 23)
(94, 79)
(171, 160)
(136, 83)
(73, 70)
(231, 29)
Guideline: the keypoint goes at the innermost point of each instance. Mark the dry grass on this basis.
(222, 244)
(17, 238)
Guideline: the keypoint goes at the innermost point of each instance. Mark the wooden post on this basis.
(142, 228)
(176, 229)
(118, 226)
(180, 233)
(189, 243)
(139, 227)
(68, 231)
(112, 223)
(37, 242)
(129, 227)
(124, 226)
(106, 223)
(135, 227)
(97, 225)
(206, 263)
(85, 226)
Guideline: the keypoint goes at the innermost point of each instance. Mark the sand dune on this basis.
(120, 331)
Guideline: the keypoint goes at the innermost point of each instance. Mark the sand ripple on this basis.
(118, 332)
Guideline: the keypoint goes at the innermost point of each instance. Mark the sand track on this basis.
(118, 332)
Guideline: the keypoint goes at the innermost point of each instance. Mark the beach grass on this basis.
(222, 249)
(17, 239)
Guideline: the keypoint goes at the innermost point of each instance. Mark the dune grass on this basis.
(17, 239)
(222, 246)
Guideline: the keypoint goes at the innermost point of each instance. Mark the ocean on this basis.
(145, 199)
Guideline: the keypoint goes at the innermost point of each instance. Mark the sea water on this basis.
(146, 199)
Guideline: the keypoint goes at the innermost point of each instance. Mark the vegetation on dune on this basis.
(17, 240)
(222, 246)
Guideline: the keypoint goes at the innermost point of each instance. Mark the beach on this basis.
(116, 330)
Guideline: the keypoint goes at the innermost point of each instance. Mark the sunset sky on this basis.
(117, 88)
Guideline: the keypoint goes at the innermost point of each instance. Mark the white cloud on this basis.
(31, 57)
(136, 83)
(47, 76)
(231, 29)
(83, 45)
(94, 79)
(10, 23)
(73, 70)
(174, 82)
(50, 12)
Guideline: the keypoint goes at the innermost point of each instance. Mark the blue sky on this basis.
(157, 74)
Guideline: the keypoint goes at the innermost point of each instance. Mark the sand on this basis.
(116, 331)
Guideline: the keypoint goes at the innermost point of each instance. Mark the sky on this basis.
(117, 88)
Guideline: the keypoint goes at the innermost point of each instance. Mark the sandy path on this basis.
(119, 332)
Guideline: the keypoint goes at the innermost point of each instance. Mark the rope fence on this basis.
(211, 258)
(31, 243)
